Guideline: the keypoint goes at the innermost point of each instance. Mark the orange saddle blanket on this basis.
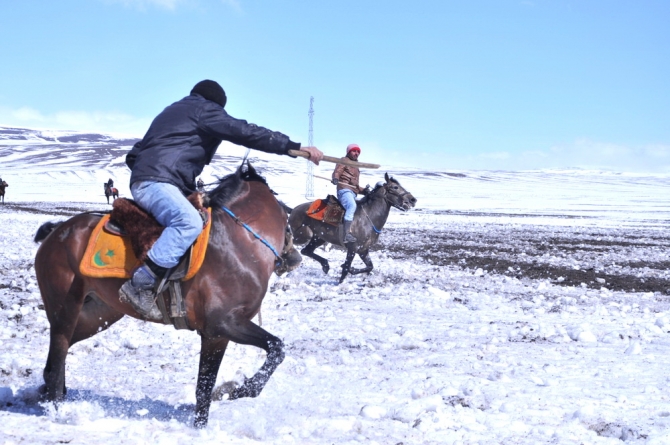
(109, 255)
(328, 210)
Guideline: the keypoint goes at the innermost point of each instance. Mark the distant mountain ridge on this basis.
(59, 136)
(49, 150)
(72, 166)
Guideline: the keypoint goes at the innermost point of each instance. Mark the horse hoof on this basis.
(43, 394)
(326, 269)
(200, 422)
(226, 389)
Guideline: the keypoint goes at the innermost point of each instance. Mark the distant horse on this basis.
(111, 191)
(371, 214)
(220, 300)
(3, 186)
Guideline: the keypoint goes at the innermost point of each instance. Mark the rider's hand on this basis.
(334, 181)
(315, 155)
(367, 190)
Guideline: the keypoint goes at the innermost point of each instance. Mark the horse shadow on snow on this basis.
(26, 402)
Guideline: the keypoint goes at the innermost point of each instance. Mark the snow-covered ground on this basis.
(508, 308)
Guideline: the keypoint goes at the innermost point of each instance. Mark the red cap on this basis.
(353, 147)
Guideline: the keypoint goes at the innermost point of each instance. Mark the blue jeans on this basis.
(348, 200)
(171, 209)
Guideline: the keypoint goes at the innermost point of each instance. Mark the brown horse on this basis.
(111, 191)
(220, 300)
(371, 214)
(3, 186)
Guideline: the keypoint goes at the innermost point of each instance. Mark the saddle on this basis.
(328, 210)
(120, 241)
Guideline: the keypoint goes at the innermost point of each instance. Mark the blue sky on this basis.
(502, 84)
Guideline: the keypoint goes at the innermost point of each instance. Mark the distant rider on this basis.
(346, 177)
(181, 140)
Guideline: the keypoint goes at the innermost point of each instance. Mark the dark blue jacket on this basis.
(183, 138)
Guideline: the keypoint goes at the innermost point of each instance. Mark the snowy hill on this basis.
(71, 166)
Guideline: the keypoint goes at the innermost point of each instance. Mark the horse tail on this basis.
(44, 230)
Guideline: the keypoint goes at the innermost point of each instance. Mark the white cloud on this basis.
(584, 154)
(580, 154)
(27, 114)
(658, 151)
(144, 4)
(96, 121)
(169, 5)
(495, 155)
(233, 4)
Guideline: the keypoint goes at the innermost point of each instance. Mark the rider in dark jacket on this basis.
(184, 137)
(181, 140)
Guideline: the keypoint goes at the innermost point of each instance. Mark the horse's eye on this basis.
(395, 187)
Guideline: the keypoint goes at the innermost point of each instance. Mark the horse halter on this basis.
(391, 191)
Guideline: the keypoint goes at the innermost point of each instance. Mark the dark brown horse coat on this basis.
(220, 300)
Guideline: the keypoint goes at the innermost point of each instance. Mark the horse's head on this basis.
(290, 258)
(396, 195)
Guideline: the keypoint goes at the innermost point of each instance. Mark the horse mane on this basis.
(369, 196)
(230, 186)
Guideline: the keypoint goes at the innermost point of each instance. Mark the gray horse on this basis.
(371, 214)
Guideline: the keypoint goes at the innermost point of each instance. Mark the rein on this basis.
(250, 230)
(377, 231)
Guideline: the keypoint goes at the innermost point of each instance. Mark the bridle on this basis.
(393, 204)
(400, 195)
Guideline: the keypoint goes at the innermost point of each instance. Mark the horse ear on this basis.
(386, 177)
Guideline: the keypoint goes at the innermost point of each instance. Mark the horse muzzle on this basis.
(407, 203)
(289, 261)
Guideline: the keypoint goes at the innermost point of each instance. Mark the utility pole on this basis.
(309, 188)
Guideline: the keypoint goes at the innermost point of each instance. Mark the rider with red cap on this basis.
(346, 177)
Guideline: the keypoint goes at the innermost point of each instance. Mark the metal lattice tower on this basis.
(309, 188)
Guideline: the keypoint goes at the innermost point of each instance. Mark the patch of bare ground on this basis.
(619, 259)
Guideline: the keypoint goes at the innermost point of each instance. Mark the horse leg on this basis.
(365, 256)
(63, 322)
(211, 354)
(309, 249)
(245, 332)
(351, 253)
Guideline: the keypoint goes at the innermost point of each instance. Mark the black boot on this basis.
(348, 237)
(140, 290)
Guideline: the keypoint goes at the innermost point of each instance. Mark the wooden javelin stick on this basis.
(323, 177)
(345, 161)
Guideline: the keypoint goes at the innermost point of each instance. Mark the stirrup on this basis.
(349, 238)
(142, 300)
